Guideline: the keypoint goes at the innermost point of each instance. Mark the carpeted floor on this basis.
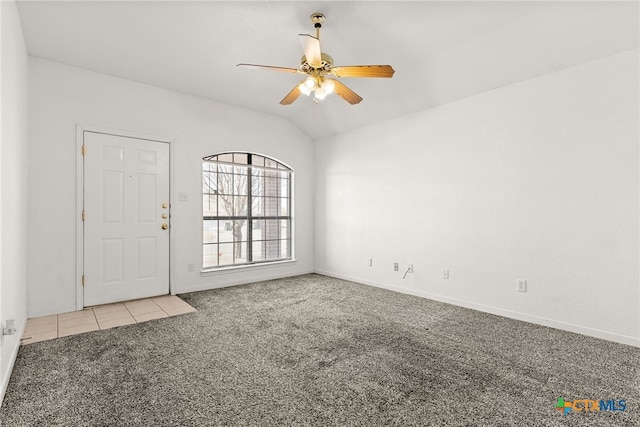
(313, 350)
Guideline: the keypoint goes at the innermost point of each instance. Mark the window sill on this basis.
(246, 267)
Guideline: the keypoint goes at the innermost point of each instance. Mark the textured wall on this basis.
(535, 181)
(13, 185)
(63, 96)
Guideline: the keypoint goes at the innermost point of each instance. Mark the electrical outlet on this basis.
(396, 266)
(192, 266)
(445, 273)
(521, 285)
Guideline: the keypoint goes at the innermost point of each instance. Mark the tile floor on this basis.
(103, 317)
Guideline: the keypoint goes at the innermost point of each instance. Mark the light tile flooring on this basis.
(103, 317)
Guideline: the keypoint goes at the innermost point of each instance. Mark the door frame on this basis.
(80, 130)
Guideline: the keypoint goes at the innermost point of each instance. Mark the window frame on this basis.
(251, 162)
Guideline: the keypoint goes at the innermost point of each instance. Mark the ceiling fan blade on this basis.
(345, 93)
(292, 96)
(364, 71)
(270, 67)
(311, 47)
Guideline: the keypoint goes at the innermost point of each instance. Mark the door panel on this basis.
(112, 268)
(113, 185)
(126, 193)
(146, 258)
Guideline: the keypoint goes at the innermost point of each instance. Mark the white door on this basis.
(126, 218)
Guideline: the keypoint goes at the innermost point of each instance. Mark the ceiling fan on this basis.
(321, 74)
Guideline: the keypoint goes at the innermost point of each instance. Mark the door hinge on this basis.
(84, 149)
(83, 215)
(83, 280)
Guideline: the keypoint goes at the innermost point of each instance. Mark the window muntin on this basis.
(246, 210)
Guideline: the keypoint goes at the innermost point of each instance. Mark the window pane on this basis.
(210, 231)
(284, 188)
(270, 163)
(284, 207)
(209, 182)
(225, 183)
(239, 230)
(225, 158)
(270, 184)
(241, 158)
(240, 252)
(209, 206)
(225, 255)
(284, 229)
(271, 206)
(257, 206)
(239, 184)
(210, 256)
(284, 249)
(225, 168)
(272, 229)
(257, 230)
(257, 182)
(258, 251)
(272, 249)
(225, 231)
(240, 205)
(257, 160)
(225, 205)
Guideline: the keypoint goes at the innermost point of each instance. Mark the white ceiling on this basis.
(442, 51)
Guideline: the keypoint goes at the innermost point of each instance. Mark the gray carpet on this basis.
(313, 350)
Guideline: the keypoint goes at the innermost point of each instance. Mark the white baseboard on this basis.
(31, 313)
(234, 282)
(6, 374)
(596, 333)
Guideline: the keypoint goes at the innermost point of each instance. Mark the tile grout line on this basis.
(96, 318)
(130, 313)
(161, 308)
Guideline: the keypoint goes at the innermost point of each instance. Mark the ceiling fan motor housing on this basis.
(326, 65)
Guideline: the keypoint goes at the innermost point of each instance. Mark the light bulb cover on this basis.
(328, 86)
(310, 83)
(304, 89)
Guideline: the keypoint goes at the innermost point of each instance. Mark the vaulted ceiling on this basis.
(442, 51)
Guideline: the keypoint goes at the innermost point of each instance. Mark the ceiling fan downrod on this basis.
(317, 19)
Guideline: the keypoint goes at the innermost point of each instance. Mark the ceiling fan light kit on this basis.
(321, 74)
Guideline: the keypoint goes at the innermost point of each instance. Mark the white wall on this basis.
(13, 185)
(62, 96)
(535, 181)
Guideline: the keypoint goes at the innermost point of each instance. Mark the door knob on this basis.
(164, 216)
(165, 226)
(165, 205)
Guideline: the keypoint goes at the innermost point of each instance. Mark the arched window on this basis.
(246, 210)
